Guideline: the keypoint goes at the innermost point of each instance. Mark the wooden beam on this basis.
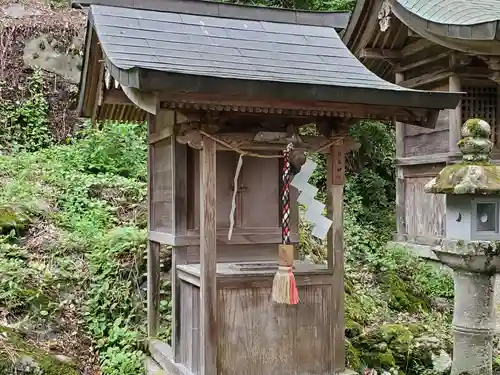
(425, 79)
(208, 256)
(153, 281)
(455, 115)
(153, 260)
(180, 213)
(380, 54)
(400, 180)
(98, 95)
(115, 96)
(335, 247)
(165, 125)
(312, 110)
(416, 47)
(422, 62)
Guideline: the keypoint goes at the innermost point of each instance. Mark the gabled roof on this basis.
(466, 25)
(455, 12)
(205, 51)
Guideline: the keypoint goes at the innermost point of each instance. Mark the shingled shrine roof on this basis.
(467, 25)
(217, 48)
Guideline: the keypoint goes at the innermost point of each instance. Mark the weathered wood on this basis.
(245, 236)
(400, 182)
(335, 248)
(455, 116)
(197, 101)
(257, 336)
(165, 128)
(250, 142)
(97, 103)
(433, 58)
(419, 141)
(425, 213)
(379, 54)
(427, 144)
(428, 78)
(162, 354)
(424, 159)
(179, 257)
(416, 47)
(153, 255)
(208, 256)
(162, 186)
(423, 170)
(153, 280)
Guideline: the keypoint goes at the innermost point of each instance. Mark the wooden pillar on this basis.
(336, 176)
(208, 295)
(180, 207)
(153, 260)
(455, 117)
(400, 179)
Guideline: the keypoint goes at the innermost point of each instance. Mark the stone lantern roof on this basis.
(475, 174)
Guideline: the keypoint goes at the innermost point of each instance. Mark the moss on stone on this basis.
(401, 295)
(466, 178)
(41, 363)
(12, 217)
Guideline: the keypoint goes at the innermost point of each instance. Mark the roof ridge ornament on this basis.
(384, 15)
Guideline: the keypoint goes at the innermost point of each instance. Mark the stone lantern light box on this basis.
(472, 219)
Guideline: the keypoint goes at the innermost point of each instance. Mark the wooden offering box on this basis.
(255, 335)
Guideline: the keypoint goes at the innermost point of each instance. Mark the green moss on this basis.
(475, 129)
(47, 364)
(401, 295)
(12, 217)
(463, 178)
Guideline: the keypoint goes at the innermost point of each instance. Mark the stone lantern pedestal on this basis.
(474, 264)
(472, 246)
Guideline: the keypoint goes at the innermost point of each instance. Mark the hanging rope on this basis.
(284, 286)
(263, 156)
(285, 196)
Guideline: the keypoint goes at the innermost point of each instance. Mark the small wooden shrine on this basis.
(221, 84)
(439, 45)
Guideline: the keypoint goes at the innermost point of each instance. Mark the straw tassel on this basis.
(284, 285)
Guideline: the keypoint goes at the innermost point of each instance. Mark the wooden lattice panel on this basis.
(482, 102)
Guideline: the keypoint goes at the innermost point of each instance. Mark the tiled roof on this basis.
(454, 12)
(229, 48)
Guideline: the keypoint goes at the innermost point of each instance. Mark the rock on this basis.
(64, 359)
(29, 360)
(27, 365)
(19, 11)
(47, 55)
(441, 362)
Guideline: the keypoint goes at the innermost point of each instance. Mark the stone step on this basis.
(153, 368)
(162, 355)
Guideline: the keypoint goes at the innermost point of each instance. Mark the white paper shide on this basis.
(314, 211)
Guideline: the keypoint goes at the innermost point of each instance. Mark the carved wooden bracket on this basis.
(458, 60)
(192, 138)
(384, 15)
(494, 65)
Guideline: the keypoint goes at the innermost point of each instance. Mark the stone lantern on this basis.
(472, 246)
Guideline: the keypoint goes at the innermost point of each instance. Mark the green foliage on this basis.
(99, 214)
(335, 5)
(118, 149)
(24, 126)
